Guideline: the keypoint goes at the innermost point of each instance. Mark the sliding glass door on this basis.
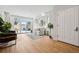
(23, 25)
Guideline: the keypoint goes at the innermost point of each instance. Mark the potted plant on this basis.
(5, 34)
(4, 27)
(50, 26)
(1, 23)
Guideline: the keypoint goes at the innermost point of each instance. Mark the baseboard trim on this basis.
(68, 43)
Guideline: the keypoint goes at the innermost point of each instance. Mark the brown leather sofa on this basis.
(7, 37)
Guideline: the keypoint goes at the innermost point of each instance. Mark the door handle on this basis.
(76, 29)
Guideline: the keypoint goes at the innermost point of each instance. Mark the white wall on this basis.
(53, 14)
(67, 16)
(52, 18)
(37, 22)
(2, 13)
(67, 22)
(49, 17)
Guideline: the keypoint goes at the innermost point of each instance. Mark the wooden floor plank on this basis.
(42, 45)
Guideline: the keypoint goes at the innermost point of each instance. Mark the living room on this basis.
(40, 28)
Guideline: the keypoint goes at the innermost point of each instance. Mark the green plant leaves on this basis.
(4, 26)
(1, 21)
(50, 25)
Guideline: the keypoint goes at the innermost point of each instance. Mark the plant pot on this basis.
(4, 34)
(50, 37)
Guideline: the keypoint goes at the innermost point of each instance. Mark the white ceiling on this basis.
(27, 10)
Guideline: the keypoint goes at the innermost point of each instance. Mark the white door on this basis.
(61, 26)
(75, 27)
(68, 26)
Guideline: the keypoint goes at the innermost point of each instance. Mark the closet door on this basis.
(72, 18)
(61, 26)
(75, 30)
(68, 26)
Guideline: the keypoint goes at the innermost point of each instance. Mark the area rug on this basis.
(33, 36)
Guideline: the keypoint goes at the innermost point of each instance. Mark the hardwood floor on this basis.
(42, 45)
